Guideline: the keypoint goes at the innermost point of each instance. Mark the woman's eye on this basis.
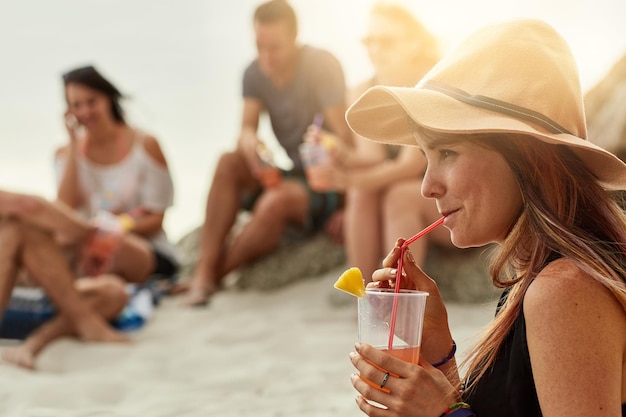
(446, 153)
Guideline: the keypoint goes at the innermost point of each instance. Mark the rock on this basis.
(188, 247)
(460, 273)
(605, 107)
(291, 262)
(294, 259)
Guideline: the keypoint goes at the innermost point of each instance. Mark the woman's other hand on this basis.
(409, 390)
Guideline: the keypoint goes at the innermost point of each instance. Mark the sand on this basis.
(249, 353)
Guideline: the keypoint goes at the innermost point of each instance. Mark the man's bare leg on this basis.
(106, 295)
(43, 259)
(286, 203)
(223, 203)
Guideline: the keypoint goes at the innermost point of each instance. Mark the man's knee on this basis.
(233, 169)
(278, 205)
(230, 163)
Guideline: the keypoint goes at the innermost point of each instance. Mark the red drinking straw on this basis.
(394, 310)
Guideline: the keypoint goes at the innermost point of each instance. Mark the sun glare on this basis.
(593, 29)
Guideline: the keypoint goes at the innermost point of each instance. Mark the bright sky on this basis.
(595, 29)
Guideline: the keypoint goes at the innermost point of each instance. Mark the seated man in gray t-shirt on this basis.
(292, 83)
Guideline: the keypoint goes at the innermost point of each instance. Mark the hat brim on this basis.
(386, 114)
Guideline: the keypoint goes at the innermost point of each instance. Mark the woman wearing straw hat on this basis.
(502, 125)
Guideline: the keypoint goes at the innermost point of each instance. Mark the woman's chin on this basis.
(463, 242)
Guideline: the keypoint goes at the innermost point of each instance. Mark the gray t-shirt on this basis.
(317, 84)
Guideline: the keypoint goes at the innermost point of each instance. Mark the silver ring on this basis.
(385, 378)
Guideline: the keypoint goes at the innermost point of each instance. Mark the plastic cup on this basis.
(103, 244)
(315, 161)
(375, 311)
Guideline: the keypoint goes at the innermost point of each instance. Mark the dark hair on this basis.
(89, 77)
(275, 11)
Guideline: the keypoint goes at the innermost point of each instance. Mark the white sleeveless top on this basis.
(136, 181)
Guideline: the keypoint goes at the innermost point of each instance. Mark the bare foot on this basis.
(199, 294)
(97, 330)
(20, 356)
(179, 288)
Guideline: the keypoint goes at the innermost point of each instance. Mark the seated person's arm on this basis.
(409, 164)
(366, 153)
(148, 221)
(335, 118)
(67, 171)
(248, 139)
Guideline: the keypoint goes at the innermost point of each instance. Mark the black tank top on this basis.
(508, 388)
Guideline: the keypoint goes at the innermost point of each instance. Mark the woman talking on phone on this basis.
(113, 171)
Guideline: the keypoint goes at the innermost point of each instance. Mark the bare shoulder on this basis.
(576, 334)
(152, 148)
(563, 294)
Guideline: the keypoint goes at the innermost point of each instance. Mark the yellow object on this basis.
(328, 141)
(126, 221)
(351, 281)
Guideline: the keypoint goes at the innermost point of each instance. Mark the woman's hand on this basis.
(436, 336)
(72, 126)
(409, 390)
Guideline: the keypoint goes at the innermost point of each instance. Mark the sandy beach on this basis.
(249, 353)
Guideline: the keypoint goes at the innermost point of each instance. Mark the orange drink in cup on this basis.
(389, 319)
(374, 317)
(375, 311)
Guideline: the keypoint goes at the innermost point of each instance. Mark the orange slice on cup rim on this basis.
(351, 281)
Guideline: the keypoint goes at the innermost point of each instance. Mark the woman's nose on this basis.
(432, 187)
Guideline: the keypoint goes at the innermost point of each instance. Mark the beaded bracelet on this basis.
(462, 412)
(459, 409)
(447, 358)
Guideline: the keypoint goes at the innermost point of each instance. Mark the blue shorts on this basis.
(27, 309)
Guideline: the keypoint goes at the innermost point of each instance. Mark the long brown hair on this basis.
(566, 214)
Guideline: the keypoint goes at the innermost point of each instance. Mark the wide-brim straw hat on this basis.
(513, 77)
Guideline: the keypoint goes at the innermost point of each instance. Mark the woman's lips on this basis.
(448, 213)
